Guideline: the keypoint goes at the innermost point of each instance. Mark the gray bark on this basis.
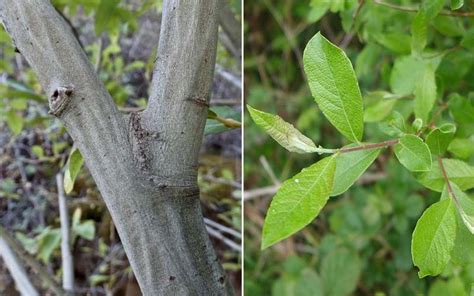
(145, 164)
(66, 254)
(18, 273)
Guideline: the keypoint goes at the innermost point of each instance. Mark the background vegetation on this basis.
(120, 38)
(360, 243)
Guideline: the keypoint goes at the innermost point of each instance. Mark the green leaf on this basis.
(465, 206)
(468, 39)
(38, 151)
(73, 166)
(97, 279)
(218, 116)
(84, 229)
(15, 122)
(457, 171)
(405, 75)
(456, 4)
(281, 131)
(461, 109)
(30, 244)
(334, 86)
(298, 201)
(394, 125)
(433, 238)
(432, 7)
(318, 9)
(396, 42)
(48, 241)
(439, 139)
(105, 14)
(448, 26)
(413, 153)
(378, 105)
(307, 283)
(19, 104)
(463, 246)
(462, 148)
(419, 29)
(350, 166)
(340, 271)
(425, 93)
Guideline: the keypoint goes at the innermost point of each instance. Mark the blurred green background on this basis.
(360, 243)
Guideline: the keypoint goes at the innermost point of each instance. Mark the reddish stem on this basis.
(369, 146)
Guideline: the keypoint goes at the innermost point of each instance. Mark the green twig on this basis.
(384, 144)
(369, 146)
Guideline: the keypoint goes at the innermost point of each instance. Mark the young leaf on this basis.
(394, 125)
(458, 172)
(281, 131)
(439, 139)
(73, 166)
(350, 166)
(465, 207)
(298, 201)
(433, 238)
(425, 93)
(413, 153)
(334, 86)
(456, 4)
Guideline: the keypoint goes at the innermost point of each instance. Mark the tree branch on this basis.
(181, 86)
(66, 256)
(18, 273)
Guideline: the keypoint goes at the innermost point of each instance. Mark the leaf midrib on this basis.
(310, 189)
(436, 232)
(339, 94)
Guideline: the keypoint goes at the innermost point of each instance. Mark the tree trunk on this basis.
(144, 164)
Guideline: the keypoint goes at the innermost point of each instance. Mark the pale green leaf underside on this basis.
(334, 86)
(433, 238)
(298, 201)
(458, 172)
(413, 153)
(350, 166)
(283, 132)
